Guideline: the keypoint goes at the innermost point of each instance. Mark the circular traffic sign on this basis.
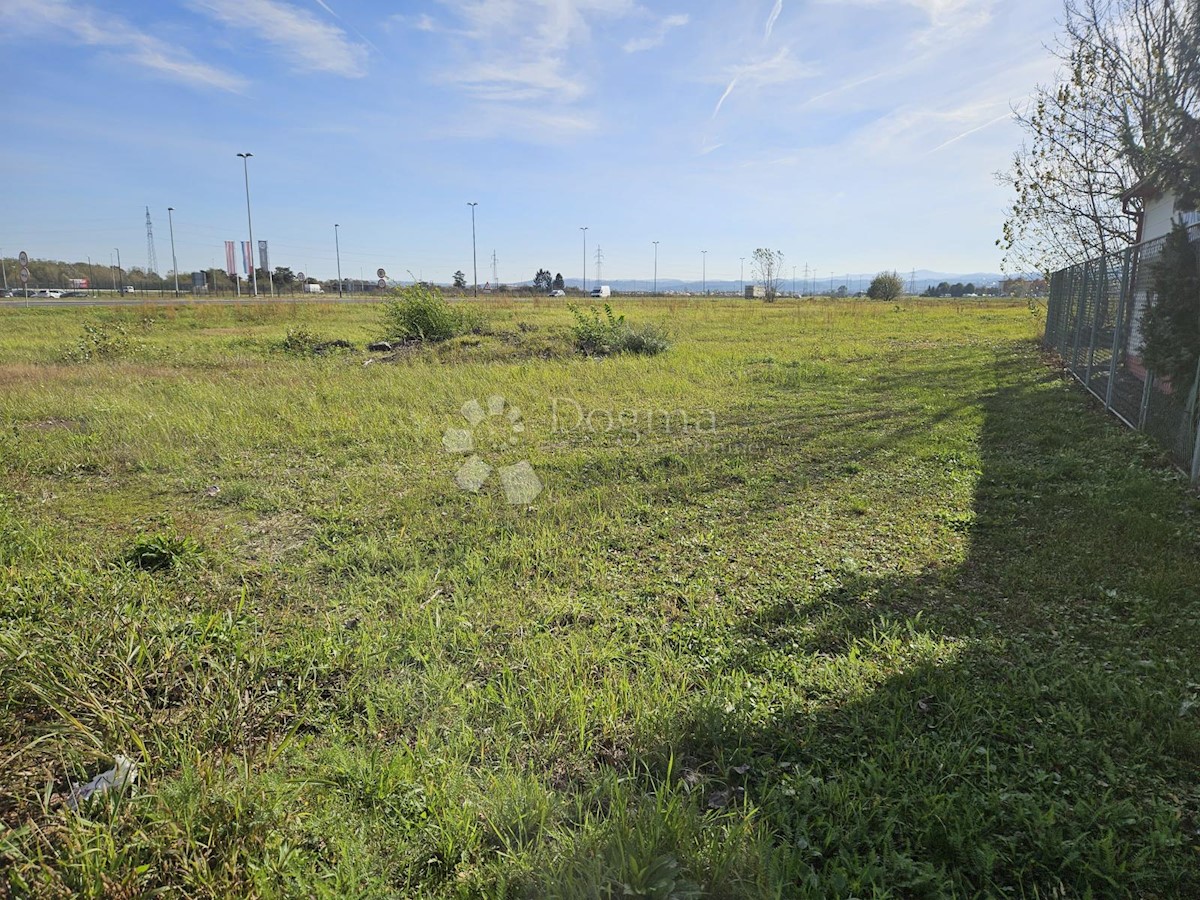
(381, 273)
(300, 276)
(23, 258)
(24, 275)
(382, 282)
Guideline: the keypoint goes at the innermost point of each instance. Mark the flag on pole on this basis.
(247, 257)
(264, 259)
(230, 259)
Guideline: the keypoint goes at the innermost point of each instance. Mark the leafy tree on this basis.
(957, 289)
(768, 267)
(460, 280)
(542, 280)
(283, 276)
(1171, 328)
(1126, 65)
(559, 284)
(970, 288)
(885, 286)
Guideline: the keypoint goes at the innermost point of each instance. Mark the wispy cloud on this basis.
(310, 43)
(971, 131)
(82, 24)
(778, 69)
(657, 35)
(772, 19)
(517, 50)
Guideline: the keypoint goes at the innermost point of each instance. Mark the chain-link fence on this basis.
(1094, 322)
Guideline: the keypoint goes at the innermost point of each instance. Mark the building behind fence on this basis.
(1094, 322)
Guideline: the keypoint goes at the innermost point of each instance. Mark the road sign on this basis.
(299, 276)
(382, 281)
(381, 273)
(23, 258)
(24, 275)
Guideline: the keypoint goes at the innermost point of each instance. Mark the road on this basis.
(168, 300)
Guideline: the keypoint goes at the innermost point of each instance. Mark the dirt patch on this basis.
(55, 423)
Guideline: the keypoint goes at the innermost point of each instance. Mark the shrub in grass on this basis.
(98, 341)
(608, 334)
(421, 313)
(161, 552)
(302, 342)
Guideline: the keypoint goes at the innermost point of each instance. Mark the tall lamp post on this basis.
(249, 224)
(704, 271)
(655, 268)
(174, 264)
(584, 229)
(474, 256)
(337, 247)
(120, 271)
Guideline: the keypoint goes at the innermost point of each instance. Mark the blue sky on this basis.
(853, 135)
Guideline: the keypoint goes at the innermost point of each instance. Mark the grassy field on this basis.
(832, 599)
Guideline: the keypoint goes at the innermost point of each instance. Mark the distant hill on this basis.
(923, 279)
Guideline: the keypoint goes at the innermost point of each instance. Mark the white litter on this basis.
(120, 776)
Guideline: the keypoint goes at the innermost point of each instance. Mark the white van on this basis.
(602, 290)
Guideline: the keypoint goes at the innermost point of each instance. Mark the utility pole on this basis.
(474, 258)
(655, 243)
(4, 268)
(174, 264)
(584, 229)
(120, 270)
(92, 291)
(793, 281)
(742, 274)
(704, 271)
(337, 246)
(250, 224)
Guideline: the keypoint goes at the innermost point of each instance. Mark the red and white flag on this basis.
(247, 257)
(230, 259)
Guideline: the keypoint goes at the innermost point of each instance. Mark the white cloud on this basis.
(657, 35)
(772, 19)
(779, 69)
(82, 24)
(315, 46)
(516, 49)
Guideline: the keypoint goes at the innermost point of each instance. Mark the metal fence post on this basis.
(1145, 408)
(1101, 289)
(1118, 329)
(1079, 316)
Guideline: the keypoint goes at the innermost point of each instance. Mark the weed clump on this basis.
(421, 313)
(98, 341)
(161, 552)
(610, 334)
(302, 342)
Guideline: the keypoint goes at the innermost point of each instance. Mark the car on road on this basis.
(48, 294)
(558, 293)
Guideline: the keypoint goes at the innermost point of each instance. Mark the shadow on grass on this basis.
(1018, 724)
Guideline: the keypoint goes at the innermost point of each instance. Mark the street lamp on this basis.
(655, 267)
(704, 271)
(120, 271)
(174, 264)
(338, 250)
(474, 257)
(584, 229)
(249, 224)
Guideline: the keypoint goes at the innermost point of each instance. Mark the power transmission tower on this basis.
(151, 256)
(912, 282)
(599, 262)
(495, 270)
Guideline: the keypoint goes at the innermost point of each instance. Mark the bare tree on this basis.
(768, 269)
(1095, 133)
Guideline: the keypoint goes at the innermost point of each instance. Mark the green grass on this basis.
(829, 600)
